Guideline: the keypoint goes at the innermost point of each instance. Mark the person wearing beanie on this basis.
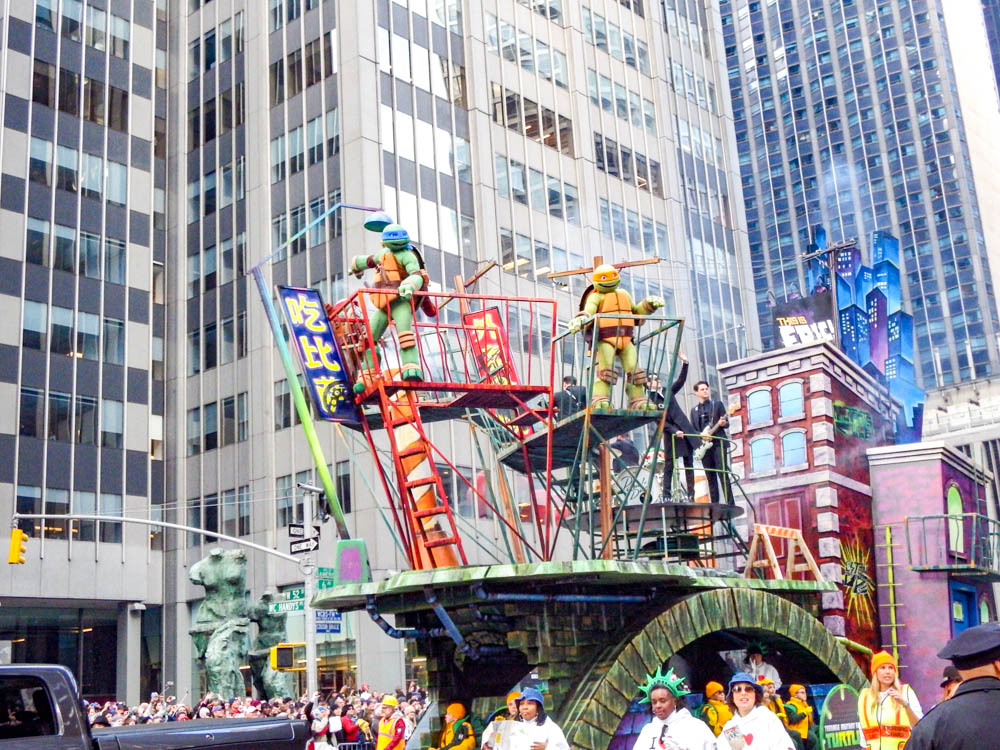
(672, 726)
(887, 709)
(491, 737)
(714, 710)
(542, 732)
(799, 716)
(391, 725)
(753, 726)
(967, 720)
(458, 733)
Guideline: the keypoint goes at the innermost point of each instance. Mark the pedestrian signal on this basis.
(18, 547)
(288, 657)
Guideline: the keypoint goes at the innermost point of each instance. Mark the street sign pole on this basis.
(308, 568)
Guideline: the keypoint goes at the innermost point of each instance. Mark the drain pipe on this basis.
(473, 652)
(398, 633)
(481, 593)
(490, 617)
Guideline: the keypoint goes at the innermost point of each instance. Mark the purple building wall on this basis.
(910, 482)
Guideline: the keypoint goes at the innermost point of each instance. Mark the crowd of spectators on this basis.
(355, 709)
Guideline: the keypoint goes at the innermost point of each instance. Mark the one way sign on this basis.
(303, 545)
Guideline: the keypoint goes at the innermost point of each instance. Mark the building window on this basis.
(956, 521)
(117, 191)
(343, 483)
(227, 341)
(793, 448)
(66, 168)
(229, 420)
(111, 505)
(36, 247)
(85, 426)
(762, 454)
(194, 521)
(88, 336)
(759, 406)
(790, 400)
(194, 352)
(243, 509)
(92, 183)
(35, 327)
(112, 423)
(284, 497)
(282, 405)
(227, 501)
(56, 504)
(242, 418)
(60, 416)
(114, 261)
(296, 156)
(119, 36)
(93, 101)
(97, 28)
(43, 84)
(72, 18)
(90, 255)
(194, 431)
(84, 503)
(31, 420)
(29, 500)
(69, 92)
(40, 161)
(61, 332)
(211, 346)
(278, 158)
(45, 15)
(210, 420)
(64, 248)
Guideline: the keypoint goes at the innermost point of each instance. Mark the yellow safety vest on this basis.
(885, 729)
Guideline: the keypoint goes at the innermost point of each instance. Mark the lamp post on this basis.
(376, 221)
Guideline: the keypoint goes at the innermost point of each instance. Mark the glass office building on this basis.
(850, 115)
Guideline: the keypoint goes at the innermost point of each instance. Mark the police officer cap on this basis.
(974, 647)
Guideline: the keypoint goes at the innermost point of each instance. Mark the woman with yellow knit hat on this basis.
(714, 711)
(887, 709)
(458, 733)
(799, 715)
(493, 731)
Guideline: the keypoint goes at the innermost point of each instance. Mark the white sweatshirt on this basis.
(760, 729)
(683, 732)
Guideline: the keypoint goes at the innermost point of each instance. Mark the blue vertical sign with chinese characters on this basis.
(319, 355)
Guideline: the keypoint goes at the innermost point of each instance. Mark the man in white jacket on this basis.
(757, 667)
(672, 727)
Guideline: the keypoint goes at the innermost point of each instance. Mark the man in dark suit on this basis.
(677, 431)
(704, 417)
(571, 398)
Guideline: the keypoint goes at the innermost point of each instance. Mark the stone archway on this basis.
(594, 708)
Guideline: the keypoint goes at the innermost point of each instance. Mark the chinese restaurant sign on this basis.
(319, 355)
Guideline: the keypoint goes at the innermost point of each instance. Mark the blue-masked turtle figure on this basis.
(614, 336)
(399, 271)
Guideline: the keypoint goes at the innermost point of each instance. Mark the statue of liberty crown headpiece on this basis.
(670, 681)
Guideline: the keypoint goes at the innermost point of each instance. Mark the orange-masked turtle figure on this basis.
(614, 336)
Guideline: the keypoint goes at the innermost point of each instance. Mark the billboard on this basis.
(806, 320)
(319, 356)
(869, 324)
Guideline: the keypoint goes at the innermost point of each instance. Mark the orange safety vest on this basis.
(386, 731)
(616, 331)
(885, 729)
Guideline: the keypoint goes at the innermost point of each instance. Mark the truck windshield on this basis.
(25, 708)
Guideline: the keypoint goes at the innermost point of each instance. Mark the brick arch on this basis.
(593, 710)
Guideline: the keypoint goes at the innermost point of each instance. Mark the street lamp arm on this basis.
(150, 522)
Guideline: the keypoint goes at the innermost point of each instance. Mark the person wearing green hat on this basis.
(672, 726)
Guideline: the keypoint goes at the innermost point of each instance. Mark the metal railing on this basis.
(960, 542)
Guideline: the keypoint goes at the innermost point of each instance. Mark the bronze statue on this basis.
(221, 629)
(270, 632)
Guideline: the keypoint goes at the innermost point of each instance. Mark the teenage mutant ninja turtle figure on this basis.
(399, 271)
(614, 336)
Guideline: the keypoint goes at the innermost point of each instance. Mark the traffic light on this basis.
(283, 657)
(18, 547)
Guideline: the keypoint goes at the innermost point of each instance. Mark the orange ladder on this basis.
(422, 497)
